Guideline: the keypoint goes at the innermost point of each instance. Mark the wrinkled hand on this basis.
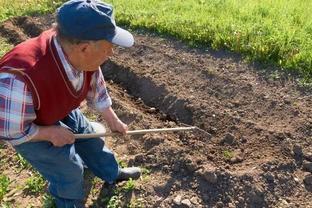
(114, 123)
(60, 136)
(117, 125)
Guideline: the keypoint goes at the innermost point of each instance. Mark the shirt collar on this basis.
(67, 66)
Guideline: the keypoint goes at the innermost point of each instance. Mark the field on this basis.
(254, 146)
(275, 32)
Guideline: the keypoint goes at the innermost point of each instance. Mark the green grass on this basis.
(120, 194)
(48, 201)
(227, 154)
(276, 32)
(22, 163)
(4, 46)
(35, 184)
(129, 186)
(10, 8)
(4, 185)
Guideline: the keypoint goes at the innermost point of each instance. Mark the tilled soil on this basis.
(253, 148)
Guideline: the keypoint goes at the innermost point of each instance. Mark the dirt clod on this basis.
(307, 166)
(297, 150)
(186, 202)
(177, 200)
(228, 139)
(209, 174)
(308, 182)
(308, 156)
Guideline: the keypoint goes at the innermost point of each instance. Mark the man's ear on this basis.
(84, 47)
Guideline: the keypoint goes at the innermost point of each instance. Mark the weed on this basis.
(4, 185)
(129, 186)
(122, 163)
(114, 202)
(6, 205)
(145, 174)
(227, 154)
(136, 203)
(22, 163)
(145, 171)
(35, 184)
(48, 201)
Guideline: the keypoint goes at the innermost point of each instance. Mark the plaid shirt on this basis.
(16, 104)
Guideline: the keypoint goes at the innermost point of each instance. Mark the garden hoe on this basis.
(101, 131)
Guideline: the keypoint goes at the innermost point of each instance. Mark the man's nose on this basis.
(111, 52)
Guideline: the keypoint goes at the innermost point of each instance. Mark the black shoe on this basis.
(127, 173)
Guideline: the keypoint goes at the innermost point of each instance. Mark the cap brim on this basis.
(123, 38)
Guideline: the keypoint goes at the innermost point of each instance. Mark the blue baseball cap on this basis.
(91, 20)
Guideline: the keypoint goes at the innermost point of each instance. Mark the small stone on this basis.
(308, 179)
(241, 199)
(212, 130)
(177, 200)
(230, 205)
(236, 159)
(209, 173)
(297, 150)
(269, 177)
(176, 167)
(228, 139)
(139, 158)
(308, 156)
(243, 140)
(186, 203)
(296, 179)
(219, 204)
(151, 110)
(307, 166)
(166, 168)
(194, 200)
(284, 203)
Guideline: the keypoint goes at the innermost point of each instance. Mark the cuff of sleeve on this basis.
(103, 105)
(33, 130)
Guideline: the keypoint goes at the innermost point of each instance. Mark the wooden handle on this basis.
(135, 132)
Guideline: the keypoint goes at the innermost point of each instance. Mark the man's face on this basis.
(95, 54)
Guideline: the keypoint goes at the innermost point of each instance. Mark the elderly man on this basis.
(42, 83)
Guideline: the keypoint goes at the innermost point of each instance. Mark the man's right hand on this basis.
(57, 135)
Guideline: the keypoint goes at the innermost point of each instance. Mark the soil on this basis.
(252, 148)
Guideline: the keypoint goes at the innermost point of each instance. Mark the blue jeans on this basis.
(62, 167)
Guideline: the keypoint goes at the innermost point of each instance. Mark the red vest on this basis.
(37, 62)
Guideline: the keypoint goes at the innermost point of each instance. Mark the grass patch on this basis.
(22, 163)
(4, 185)
(122, 163)
(277, 32)
(121, 196)
(227, 154)
(273, 32)
(4, 46)
(35, 184)
(48, 201)
(136, 203)
(129, 186)
(30, 7)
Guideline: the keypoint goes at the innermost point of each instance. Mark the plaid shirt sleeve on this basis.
(98, 97)
(16, 110)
